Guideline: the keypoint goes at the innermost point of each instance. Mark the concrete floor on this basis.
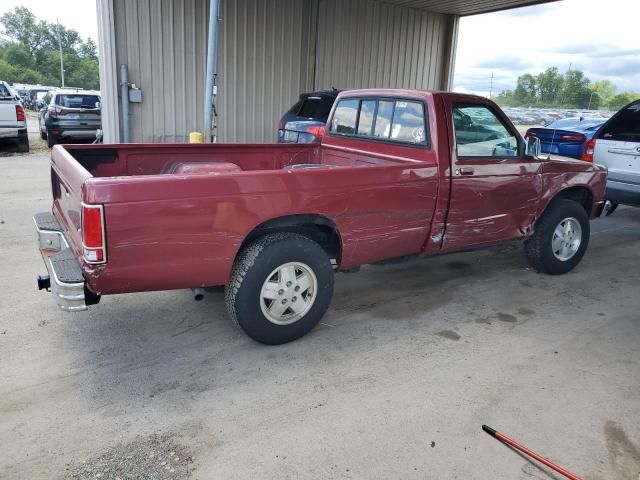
(409, 362)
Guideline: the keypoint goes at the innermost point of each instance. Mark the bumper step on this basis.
(46, 221)
(64, 279)
(66, 267)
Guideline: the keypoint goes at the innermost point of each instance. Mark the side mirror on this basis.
(532, 147)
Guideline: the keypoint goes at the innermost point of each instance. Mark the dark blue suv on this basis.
(305, 121)
(70, 115)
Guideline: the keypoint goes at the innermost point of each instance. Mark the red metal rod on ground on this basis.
(525, 450)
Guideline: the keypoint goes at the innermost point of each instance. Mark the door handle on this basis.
(465, 171)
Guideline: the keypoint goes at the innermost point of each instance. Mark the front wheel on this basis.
(560, 239)
(280, 287)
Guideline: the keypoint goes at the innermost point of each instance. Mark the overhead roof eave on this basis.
(466, 7)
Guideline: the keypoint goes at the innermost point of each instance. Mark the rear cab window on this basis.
(624, 126)
(386, 119)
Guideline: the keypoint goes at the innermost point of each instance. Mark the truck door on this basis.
(494, 186)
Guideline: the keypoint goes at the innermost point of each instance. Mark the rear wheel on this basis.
(23, 145)
(280, 287)
(51, 139)
(560, 239)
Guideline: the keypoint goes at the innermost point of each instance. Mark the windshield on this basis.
(77, 101)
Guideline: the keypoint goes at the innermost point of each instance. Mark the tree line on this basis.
(552, 89)
(29, 52)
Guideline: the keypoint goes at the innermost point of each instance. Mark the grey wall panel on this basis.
(163, 42)
(373, 44)
(263, 64)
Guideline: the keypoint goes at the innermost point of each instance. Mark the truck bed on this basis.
(158, 213)
(157, 159)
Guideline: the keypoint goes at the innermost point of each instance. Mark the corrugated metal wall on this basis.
(269, 51)
(263, 64)
(365, 44)
(163, 42)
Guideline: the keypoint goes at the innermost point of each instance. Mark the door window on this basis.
(480, 133)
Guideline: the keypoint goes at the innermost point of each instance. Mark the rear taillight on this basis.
(280, 125)
(587, 155)
(316, 131)
(54, 110)
(93, 239)
(20, 113)
(573, 138)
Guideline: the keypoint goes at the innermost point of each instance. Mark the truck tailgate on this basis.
(67, 180)
(8, 114)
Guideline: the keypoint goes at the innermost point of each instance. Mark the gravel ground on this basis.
(155, 457)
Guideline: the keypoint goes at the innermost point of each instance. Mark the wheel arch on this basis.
(316, 227)
(581, 194)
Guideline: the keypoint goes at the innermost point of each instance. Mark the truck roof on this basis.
(406, 92)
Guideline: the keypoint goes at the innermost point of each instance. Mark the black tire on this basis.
(253, 267)
(539, 247)
(43, 134)
(23, 145)
(612, 209)
(51, 139)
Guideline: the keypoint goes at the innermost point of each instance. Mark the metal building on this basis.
(268, 51)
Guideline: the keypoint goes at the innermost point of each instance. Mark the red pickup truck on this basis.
(398, 173)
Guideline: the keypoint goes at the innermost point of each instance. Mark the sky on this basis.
(599, 37)
(77, 14)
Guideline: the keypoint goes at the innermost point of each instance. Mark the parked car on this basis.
(32, 97)
(617, 146)
(392, 177)
(70, 115)
(305, 121)
(566, 137)
(13, 121)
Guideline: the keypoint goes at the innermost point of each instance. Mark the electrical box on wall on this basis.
(135, 94)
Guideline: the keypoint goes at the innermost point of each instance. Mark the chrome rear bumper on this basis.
(65, 278)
